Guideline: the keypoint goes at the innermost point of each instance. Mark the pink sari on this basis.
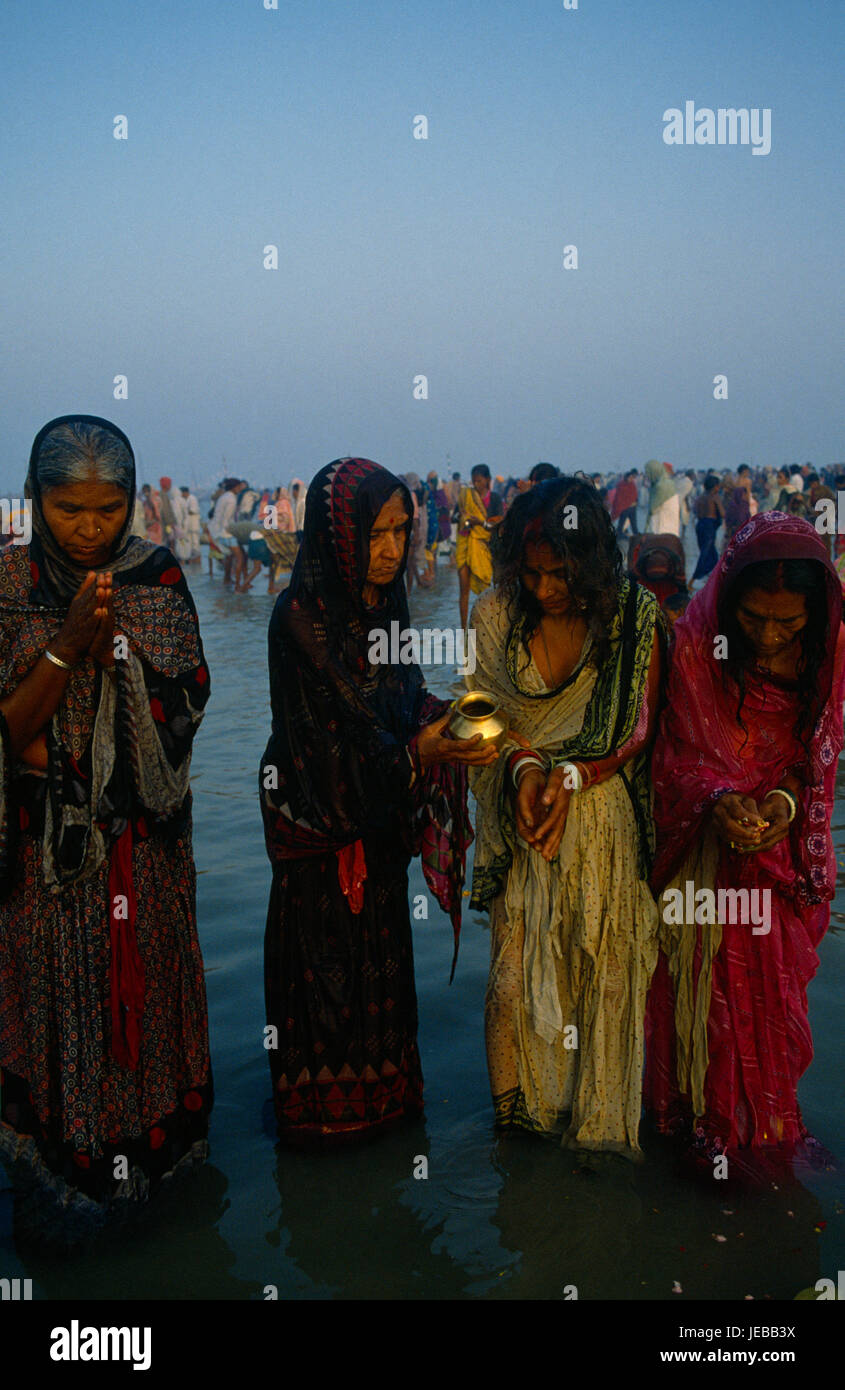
(727, 1031)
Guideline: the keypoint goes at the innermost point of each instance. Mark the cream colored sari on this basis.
(574, 941)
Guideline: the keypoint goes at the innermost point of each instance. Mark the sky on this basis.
(401, 258)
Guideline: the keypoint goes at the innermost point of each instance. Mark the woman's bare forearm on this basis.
(34, 702)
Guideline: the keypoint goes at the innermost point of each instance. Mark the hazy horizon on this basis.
(400, 257)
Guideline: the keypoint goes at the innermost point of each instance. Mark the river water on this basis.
(509, 1218)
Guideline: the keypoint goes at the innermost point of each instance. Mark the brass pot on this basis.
(477, 713)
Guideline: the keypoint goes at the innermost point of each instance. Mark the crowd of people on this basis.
(695, 513)
(638, 760)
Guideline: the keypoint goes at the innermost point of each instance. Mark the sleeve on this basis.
(8, 811)
(163, 686)
(331, 766)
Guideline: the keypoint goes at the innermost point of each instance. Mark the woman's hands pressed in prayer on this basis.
(102, 647)
(88, 629)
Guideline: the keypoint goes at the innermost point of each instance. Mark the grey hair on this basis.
(80, 452)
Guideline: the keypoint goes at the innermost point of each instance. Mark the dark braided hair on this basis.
(591, 558)
(806, 577)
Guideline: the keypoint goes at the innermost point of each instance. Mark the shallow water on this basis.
(513, 1218)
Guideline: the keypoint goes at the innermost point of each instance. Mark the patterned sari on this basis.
(574, 940)
(346, 805)
(729, 1036)
(103, 1028)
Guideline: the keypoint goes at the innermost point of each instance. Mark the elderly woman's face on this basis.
(86, 519)
(772, 622)
(387, 541)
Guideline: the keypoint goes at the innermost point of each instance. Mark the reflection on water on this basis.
(509, 1218)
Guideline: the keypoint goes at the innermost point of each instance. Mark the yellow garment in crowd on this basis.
(474, 549)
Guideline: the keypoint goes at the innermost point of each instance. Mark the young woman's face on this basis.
(543, 575)
(387, 541)
(86, 520)
(481, 484)
(771, 622)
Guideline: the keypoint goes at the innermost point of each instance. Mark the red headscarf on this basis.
(701, 752)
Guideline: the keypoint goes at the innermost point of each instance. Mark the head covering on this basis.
(57, 577)
(695, 759)
(662, 487)
(165, 483)
(343, 723)
(343, 502)
(116, 747)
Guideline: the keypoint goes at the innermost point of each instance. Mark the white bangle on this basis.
(791, 801)
(523, 764)
(57, 661)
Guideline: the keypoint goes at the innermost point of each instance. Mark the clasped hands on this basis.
(747, 827)
(541, 806)
(88, 629)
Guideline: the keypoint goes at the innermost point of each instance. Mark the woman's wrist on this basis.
(789, 797)
(65, 649)
(524, 769)
(61, 656)
(523, 760)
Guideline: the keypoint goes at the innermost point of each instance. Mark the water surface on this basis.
(507, 1219)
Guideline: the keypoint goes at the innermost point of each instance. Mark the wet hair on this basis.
(542, 472)
(805, 577)
(711, 481)
(743, 468)
(591, 558)
(79, 452)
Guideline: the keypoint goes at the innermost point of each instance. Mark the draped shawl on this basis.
(701, 753)
(339, 766)
(661, 485)
(119, 743)
(610, 719)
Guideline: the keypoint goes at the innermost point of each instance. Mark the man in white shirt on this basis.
(192, 522)
(218, 527)
(298, 491)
